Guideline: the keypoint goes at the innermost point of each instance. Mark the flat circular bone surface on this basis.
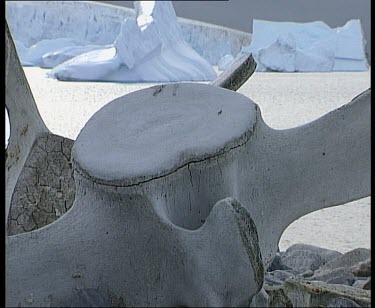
(153, 132)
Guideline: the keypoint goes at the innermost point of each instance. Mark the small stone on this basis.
(277, 264)
(337, 276)
(361, 283)
(367, 286)
(362, 269)
(307, 273)
(282, 275)
(272, 280)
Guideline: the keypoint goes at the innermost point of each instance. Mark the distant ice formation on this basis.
(51, 52)
(149, 48)
(307, 47)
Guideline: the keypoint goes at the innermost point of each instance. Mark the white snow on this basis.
(307, 47)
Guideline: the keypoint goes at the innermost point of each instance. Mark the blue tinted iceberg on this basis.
(307, 47)
(149, 47)
(33, 55)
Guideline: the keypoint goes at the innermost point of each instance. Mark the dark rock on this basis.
(362, 269)
(277, 264)
(348, 259)
(302, 260)
(361, 283)
(367, 286)
(337, 276)
(277, 277)
(326, 254)
(307, 273)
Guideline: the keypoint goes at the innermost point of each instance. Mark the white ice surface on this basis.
(54, 58)
(91, 66)
(33, 55)
(307, 47)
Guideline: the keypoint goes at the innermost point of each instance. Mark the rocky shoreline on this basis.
(310, 276)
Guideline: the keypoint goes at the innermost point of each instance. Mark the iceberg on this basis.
(149, 48)
(56, 57)
(284, 56)
(32, 56)
(307, 47)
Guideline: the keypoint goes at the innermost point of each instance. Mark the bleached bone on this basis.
(146, 227)
(39, 184)
(237, 74)
(40, 187)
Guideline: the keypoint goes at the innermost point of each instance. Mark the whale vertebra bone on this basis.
(182, 194)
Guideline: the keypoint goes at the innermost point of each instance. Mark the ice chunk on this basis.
(280, 55)
(307, 47)
(54, 58)
(33, 55)
(93, 65)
